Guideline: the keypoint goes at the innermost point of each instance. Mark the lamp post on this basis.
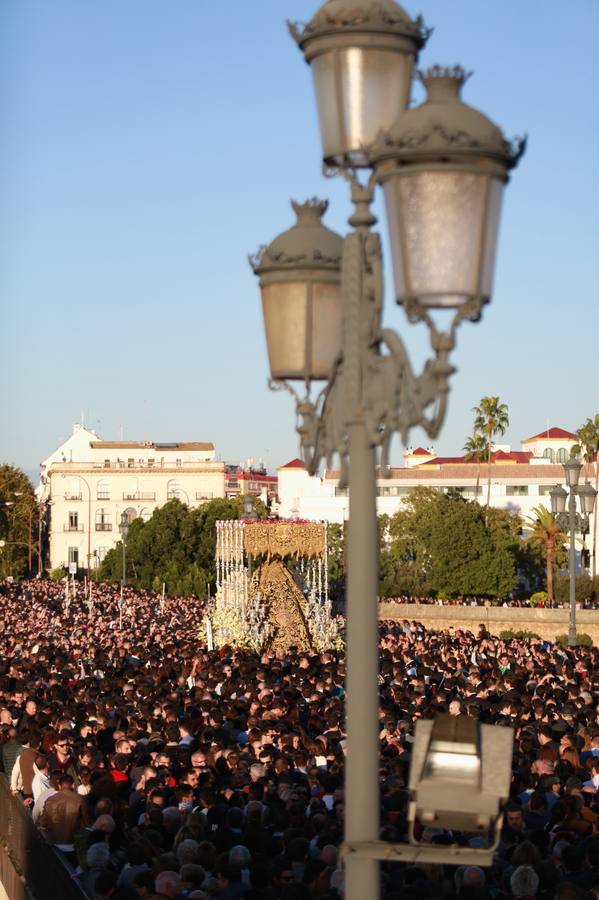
(124, 531)
(442, 166)
(250, 515)
(572, 521)
(249, 508)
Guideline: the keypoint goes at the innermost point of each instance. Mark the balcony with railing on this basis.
(70, 496)
(72, 527)
(103, 526)
(140, 495)
(103, 495)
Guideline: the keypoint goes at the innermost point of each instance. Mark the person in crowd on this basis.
(63, 816)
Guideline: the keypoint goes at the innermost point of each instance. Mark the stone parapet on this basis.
(548, 623)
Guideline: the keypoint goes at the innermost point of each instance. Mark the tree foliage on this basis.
(336, 560)
(491, 418)
(544, 532)
(476, 449)
(587, 589)
(17, 499)
(176, 547)
(588, 448)
(442, 544)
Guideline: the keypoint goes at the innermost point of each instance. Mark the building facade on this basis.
(250, 479)
(520, 480)
(89, 483)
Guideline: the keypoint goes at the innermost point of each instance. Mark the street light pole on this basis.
(573, 522)
(322, 298)
(124, 530)
(30, 546)
(572, 568)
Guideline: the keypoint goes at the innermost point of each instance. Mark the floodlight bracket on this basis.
(452, 855)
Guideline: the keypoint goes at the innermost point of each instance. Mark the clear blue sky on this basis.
(149, 145)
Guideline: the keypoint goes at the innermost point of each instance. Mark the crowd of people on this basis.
(160, 769)
(517, 602)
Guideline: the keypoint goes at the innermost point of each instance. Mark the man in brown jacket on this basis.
(64, 814)
(21, 777)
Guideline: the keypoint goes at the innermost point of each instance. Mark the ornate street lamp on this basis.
(300, 282)
(442, 167)
(249, 508)
(361, 54)
(558, 499)
(124, 531)
(573, 522)
(572, 470)
(588, 496)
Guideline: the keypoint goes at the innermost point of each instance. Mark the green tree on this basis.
(588, 448)
(404, 562)
(587, 588)
(473, 553)
(490, 419)
(441, 543)
(545, 533)
(176, 547)
(17, 500)
(476, 449)
(336, 560)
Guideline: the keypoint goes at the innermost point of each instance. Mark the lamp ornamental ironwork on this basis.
(443, 167)
(361, 53)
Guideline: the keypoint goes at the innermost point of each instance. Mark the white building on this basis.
(520, 480)
(89, 483)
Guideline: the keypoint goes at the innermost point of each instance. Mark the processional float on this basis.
(272, 586)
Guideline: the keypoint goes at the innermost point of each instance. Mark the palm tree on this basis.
(490, 418)
(588, 448)
(475, 448)
(545, 532)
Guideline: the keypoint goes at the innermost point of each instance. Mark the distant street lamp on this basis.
(249, 508)
(573, 522)
(124, 531)
(250, 515)
(442, 166)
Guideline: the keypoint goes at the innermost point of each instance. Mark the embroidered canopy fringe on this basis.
(285, 539)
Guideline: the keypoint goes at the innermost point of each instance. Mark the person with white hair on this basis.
(97, 860)
(524, 883)
(188, 851)
(240, 856)
(169, 883)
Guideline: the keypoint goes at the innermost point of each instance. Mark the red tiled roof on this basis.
(447, 461)
(518, 456)
(431, 472)
(499, 456)
(420, 451)
(552, 434)
(294, 464)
